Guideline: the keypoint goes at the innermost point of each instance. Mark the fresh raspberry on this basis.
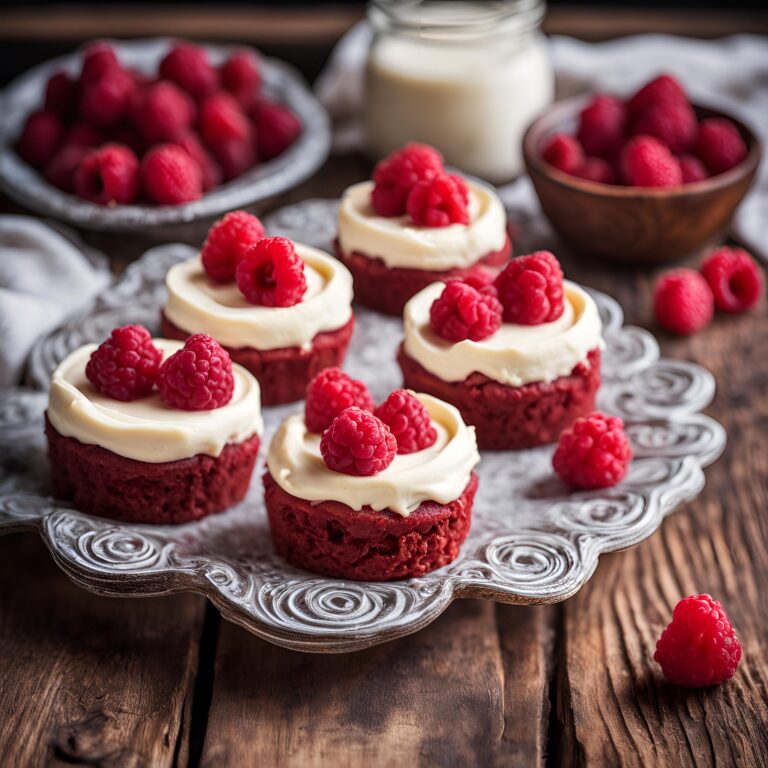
(61, 92)
(531, 289)
(84, 135)
(99, 57)
(227, 133)
(596, 169)
(210, 168)
(672, 122)
(683, 301)
(240, 76)
(664, 88)
(331, 392)
(126, 365)
(228, 239)
(439, 202)
(699, 647)
(692, 169)
(719, 144)
(170, 176)
(187, 65)
(357, 443)
(163, 112)
(276, 128)
(408, 420)
(198, 377)
(602, 126)
(593, 453)
(41, 136)
(564, 153)
(646, 162)
(108, 175)
(129, 135)
(106, 101)
(479, 278)
(734, 278)
(271, 273)
(60, 170)
(397, 174)
(461, 312)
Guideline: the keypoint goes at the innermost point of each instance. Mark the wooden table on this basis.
(164, 681)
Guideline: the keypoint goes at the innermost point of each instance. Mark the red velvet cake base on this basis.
(330, 538)
(507, 417)
(283, 374)
(100, 482)
(387, 289)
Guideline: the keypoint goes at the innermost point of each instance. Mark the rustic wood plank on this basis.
(86, 679)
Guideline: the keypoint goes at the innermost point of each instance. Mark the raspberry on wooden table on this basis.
(240, 75)
(462, 312)
(408, 420)
(397, 174)
(108, 175)
(170, 176)
(602, 126)
(692, 169)
(187, 65)
(41, 137)
(664, 88)
(271, 273)
(647, 162)
(672, 122)
(439, 202)
(228, 239)
(683, 301)
(357, 443)
(331, 392)
(106, 101)
(563, 152)
(719, 144)
(734, 278)
(163, 112)
(530, 289)
(126, 365)
(197, 377)
(699, 647)
(276, 128)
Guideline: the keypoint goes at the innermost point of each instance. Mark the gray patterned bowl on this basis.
(24, 184)
(532, 541)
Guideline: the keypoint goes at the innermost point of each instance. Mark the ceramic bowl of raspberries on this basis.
(649, 178)
(137, 134)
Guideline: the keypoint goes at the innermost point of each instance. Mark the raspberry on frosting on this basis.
(462, 312)
(398, 173)
(331, 392)
(170, 176)
(530, 289)
(197, 377)
(271, 273)
(439, 201)
(602, 125)
(683, 302)
(734, 278)
(647, 162)
(564, 153)
(408, 420)
(126, 365)
(719, 144)
(108, 175)
(188, 66)
(358, 443)
(228, 239)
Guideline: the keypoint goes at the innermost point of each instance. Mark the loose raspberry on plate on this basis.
(530, 289)
(646, 162)
(228, 239)
(99, 57)
(61, 94)
(163, 112)
(699, 647)
(108, 175)
(105, 102)
(734, 278)
(692, 169)
(271, 273)
(126, 365)
(331, 392)
(170, 176)
(719, 144)
(602, 126)
(461, 312)
(357, 443)
(240, 76)
(564, 153)
(276, 128)
(41, 136)
(408, 420)
(593, 453)
(683, 302)
(198, 377)
(188, 66)
(227, 133)
(664, 88)
(60, 170)
(672, 122)
(596, 169)
(210, 169)
(439, 202)
(397, 174)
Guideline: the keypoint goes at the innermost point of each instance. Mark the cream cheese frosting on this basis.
(515, 354)
(438, 473)
(198, 305)
(146, 429)
(400, 243)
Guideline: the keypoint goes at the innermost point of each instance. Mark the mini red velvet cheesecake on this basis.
(371, 496)
(415, 224)
(282, 310)
(520, 359)
(152, 431)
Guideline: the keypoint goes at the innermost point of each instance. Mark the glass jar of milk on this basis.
(466, 77)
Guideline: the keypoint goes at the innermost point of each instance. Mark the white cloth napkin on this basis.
(45, 276)
(730, 73)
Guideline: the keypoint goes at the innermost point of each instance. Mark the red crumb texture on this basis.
(511, 418)
(283, 374)
(387, 289)
(140, 492)
(330, 538)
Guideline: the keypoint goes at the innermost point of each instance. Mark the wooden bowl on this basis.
(634, 224)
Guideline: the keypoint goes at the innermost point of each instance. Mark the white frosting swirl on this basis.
(146, 429)
(438, 473)
(400, 243)
(515, 354)
(197, 305)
